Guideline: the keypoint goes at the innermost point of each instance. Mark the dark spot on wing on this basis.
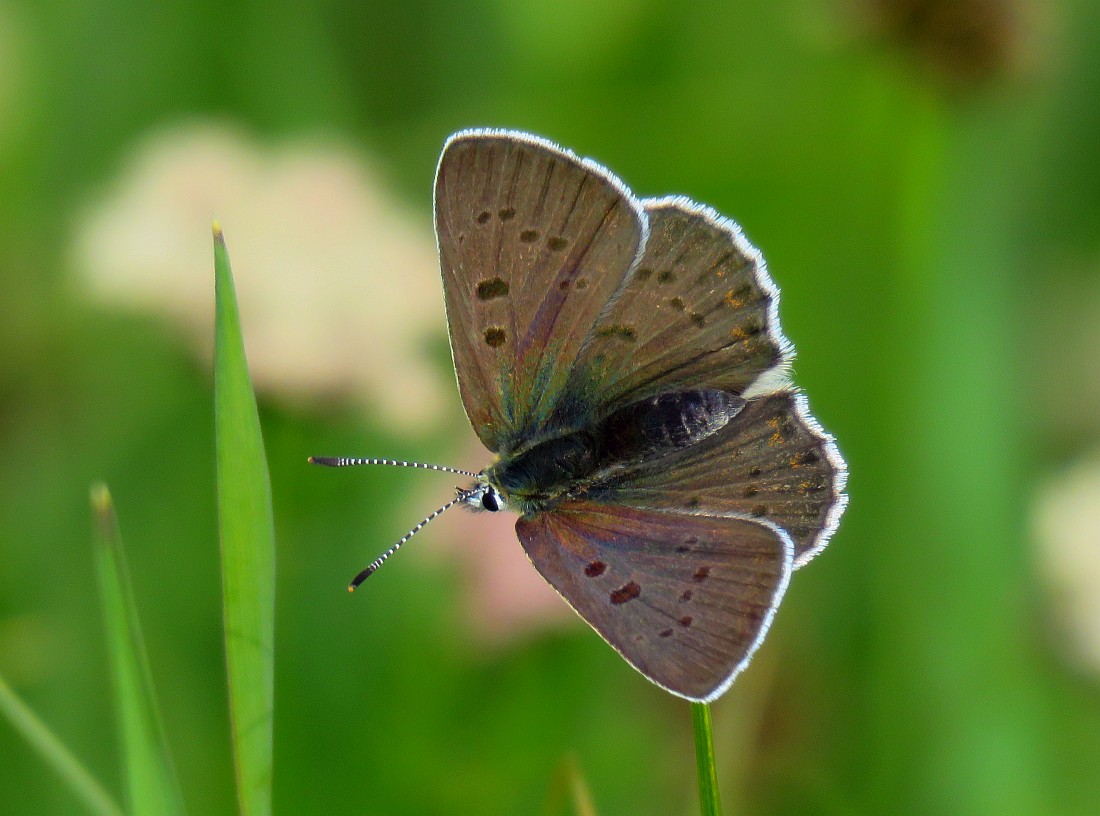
(698, 319)
(677, 303)
(507, 214)
(754, 472)
(529, 236)
(750, 491)
(804, 458)
(623, 332)
(494, 337)
(462, 237)
(701, 575)
(484, 218)
(735, 298)
(627, 592)
(557, 243)
(693, 503)
(582, 283)
(686, 596)
(564, 284)
(760, 510)
(595, 569)
(492, 288)
(644, 273)
(685, 620)
(666, 276)
(665, 633)
(687, 545)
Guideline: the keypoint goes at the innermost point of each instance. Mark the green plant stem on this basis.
(709, 803)
(79, 780)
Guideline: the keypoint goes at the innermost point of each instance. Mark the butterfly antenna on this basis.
(341, 461)
(380, 560)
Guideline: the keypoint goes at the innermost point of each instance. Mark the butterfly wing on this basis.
(698, 312)
(533, 243)
(685, 599)
(771, 461)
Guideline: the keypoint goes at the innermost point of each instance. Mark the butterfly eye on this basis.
(490, 501)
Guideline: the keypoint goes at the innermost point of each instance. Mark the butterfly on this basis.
(623, 359)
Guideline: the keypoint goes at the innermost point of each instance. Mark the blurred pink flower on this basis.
(339, 294)
(504, 597)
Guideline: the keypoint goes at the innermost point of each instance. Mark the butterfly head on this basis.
(483, 496)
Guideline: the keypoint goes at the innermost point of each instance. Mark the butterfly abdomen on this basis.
(643, 430)
(665, 423)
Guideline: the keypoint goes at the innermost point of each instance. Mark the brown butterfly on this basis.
(623, 359)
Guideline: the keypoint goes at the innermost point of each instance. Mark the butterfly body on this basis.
(571, 464)
(622, 357)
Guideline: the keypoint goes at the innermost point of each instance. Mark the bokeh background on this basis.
(923, 177)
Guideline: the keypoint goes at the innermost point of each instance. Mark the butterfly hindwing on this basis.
(685, 599)
(771, 461)
(698, 312)
(533, 243)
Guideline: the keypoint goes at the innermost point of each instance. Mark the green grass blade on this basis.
(150, 775)
(569, 794)
(83, 785)
(247, 534)
(582, 796)
(709, 804)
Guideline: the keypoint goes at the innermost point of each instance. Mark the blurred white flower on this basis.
(338, 287)
(1067, 526)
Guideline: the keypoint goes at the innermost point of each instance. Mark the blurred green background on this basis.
(924, 180)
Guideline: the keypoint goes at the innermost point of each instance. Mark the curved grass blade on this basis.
(247, 533)
(569, 794)
(76, 777)
(709, 804)
(150, 775)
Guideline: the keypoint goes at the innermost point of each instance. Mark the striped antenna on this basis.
(462, 496)
(342, 461)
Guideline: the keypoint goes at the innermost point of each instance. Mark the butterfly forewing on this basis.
(533, 244)
(772, 461)
(685, 599)
(699, 312)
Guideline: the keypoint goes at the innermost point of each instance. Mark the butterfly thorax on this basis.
(568, 464)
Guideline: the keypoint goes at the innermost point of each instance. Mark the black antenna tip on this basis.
(360, 578)
(327, 461)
